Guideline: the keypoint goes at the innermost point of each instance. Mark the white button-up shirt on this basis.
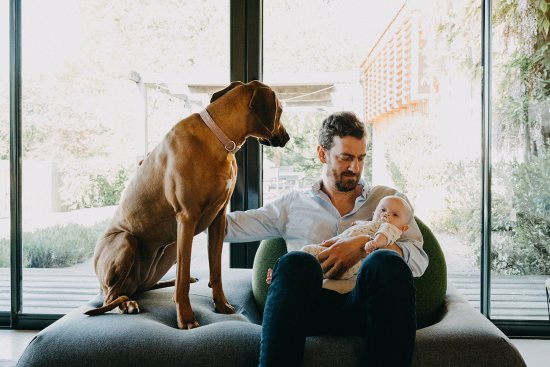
(306, 217)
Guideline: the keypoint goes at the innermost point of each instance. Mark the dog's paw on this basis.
(129, 307)
(187, 324)
(223, 307)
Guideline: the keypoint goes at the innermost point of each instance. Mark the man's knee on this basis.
(385, 267)
(301, 267)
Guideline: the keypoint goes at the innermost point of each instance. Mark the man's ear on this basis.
(404, 228)
(220, 93)
(321, 152)
(263, 105)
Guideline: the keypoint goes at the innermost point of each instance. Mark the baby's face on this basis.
(392, 210)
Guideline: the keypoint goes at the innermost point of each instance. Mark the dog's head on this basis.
(266, 108)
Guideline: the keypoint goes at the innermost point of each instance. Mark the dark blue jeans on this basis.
(381, 307)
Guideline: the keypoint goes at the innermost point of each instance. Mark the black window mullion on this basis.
(246, 65)
(16, 267)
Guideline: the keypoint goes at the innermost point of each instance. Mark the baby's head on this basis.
(395, 210)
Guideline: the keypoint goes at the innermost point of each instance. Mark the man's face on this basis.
(344, 162)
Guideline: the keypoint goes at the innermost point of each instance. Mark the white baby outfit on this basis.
(370, 228)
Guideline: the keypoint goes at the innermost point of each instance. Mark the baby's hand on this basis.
(269, 276)
(370, 247)
(360, 222)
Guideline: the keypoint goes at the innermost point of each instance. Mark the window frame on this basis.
(246, 59)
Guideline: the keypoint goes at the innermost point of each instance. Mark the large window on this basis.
(314, 63)
(102, 82)
(520, 245)
(4, 160)
(412, 71)
(387, 63)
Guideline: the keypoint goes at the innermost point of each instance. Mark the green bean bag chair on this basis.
(430, 287)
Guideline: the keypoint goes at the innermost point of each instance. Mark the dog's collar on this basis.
(228, 144)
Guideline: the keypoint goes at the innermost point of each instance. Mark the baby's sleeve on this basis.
(391, 232)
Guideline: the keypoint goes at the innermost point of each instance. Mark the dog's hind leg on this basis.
(161, 267)
(215, 244)
(116, 260)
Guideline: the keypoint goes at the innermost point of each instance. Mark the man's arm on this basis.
(256, 224)
(410, 244)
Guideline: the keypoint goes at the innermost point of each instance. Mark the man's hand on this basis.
(341, 254)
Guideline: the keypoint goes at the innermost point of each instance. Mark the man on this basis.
(379, 304)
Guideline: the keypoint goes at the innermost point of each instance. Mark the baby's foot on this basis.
(269, 276)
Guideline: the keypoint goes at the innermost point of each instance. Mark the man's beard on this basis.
(346, 181)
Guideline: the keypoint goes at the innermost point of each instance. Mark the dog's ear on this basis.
(264, 106)
(220, 93)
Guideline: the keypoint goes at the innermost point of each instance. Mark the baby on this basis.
(389, 221)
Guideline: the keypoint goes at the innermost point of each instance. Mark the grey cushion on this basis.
(462, 338)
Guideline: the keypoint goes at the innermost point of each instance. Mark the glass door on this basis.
(520, 246)
(415, 82)
(5, 293)
(102, 83)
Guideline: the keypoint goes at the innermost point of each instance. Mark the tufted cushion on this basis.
(430, 287)
(266, 256)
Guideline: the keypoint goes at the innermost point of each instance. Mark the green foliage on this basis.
(531, 183)
(55, 247)
(300, 152)
(523, 73)
(520, 239)
(462, 215)
(104, 191)
(527, 249)
(4, 253)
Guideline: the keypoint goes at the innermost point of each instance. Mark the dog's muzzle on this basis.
(278, 140)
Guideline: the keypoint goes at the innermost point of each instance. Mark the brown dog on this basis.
(182, 188)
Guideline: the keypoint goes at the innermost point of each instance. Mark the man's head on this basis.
(395, 210)
(342, 148)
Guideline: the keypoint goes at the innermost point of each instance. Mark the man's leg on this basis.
(291, 300)
(385, 290)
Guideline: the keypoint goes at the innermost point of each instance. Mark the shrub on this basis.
(105, 191)
(531, 202)
(4, 253)
(55, 247)
(520, 213)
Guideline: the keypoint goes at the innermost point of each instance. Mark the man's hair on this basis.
(340, 124)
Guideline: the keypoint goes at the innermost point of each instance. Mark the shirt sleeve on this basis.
(410, 243)
(255, 224)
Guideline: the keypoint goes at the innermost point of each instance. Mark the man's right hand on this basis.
(341, 254)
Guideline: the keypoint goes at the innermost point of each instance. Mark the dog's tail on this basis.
(169, 283)
(108, 307)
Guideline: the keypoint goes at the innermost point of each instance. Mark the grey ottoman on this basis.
(463, 337)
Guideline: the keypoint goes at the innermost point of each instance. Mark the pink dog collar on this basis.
(228, 144)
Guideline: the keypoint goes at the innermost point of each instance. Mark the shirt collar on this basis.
(316, 188)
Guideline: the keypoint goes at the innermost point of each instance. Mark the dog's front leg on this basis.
(215, 245)
(186, 230)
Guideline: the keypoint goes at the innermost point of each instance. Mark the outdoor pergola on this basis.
(319, 91)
